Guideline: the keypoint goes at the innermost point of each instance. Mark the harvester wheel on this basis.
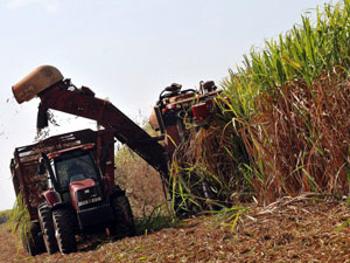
(47, 228)
(124, 220)
(32, 241)
(64, 230)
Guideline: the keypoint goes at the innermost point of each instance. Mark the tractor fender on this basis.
(52, 197)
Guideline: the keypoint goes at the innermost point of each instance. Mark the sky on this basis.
(126, 51)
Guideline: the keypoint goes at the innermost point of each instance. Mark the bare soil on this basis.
(301, 229)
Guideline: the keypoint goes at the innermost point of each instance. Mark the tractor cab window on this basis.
(75, 167)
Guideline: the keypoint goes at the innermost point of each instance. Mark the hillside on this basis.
(307, 228)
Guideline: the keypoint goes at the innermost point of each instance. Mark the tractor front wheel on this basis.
(124, 220)
(64, 230)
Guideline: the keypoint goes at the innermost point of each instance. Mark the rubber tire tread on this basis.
(47, 228)
(32, 241)
(124, 220)
(64, 230)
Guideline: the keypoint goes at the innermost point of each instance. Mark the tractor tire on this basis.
(64, 230)
(47, 228)
(124, 220)
(32, 240)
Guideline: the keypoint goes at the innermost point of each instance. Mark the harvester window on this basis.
(75, 168)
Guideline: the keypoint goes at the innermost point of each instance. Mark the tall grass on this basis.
(283, 125)
(290, 102)
(206, 169)
(19, 220)
(300, 54)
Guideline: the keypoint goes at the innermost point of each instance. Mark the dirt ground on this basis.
(303, 229)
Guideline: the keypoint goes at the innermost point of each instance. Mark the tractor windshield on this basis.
(74, 167)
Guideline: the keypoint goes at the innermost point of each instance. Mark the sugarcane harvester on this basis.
(67, 181)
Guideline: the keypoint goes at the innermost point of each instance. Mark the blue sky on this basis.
(125, 50)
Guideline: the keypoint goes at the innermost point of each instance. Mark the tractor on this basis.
(67, 181)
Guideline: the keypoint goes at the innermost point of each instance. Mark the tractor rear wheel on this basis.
(32, 240)
(64, 230)
(47, 228)
(124, 220)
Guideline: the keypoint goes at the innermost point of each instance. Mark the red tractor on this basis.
(67, 184)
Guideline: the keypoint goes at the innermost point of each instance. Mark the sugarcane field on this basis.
(175, 131)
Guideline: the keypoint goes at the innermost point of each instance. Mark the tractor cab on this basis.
(73, 177)
(73, 165)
